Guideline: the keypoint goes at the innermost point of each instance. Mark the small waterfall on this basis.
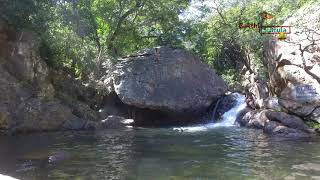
(228, 118)
(215, 109)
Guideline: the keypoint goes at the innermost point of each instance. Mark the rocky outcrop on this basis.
(256, 91)
(31, 98)
(167, 80)
(294, 64)
(161, 83)
(275, 123)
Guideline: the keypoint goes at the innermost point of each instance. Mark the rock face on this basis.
(28, 99)
(167, 80)
(294, 64)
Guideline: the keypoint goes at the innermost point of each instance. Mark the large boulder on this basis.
(168, 80)
(294, 64)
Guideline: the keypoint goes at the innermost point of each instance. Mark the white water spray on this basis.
(228, 118)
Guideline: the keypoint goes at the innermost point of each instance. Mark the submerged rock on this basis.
(168, 80)
(58, 157)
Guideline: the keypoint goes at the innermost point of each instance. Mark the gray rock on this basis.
(79, 124)
(28, 100)
(272, 103)
(37, 115)
(172, 80)
(315, 115)
(223, 105)
(253, 119)
(275, 123)
(277, 129)
(58, 156)
(287, 120)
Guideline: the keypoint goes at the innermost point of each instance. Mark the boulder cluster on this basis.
(157, 85)
(293, 90)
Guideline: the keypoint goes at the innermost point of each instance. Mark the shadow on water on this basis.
(219, 153)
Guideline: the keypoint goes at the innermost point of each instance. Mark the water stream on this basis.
(211, 151)
(227, 120)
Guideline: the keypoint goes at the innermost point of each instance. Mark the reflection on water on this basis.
(220, 153)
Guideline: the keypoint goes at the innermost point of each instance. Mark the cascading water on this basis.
(228, 118)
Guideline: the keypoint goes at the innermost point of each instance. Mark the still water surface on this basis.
(159, 154)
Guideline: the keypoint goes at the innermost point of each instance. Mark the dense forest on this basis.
(80, 35)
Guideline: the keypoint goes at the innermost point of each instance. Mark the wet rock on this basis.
(79, 124)
(58, 156)
(287, 120)
(254, 119)
(223, 105)
(278, 129)
(256, 92)
(315, 115)
(275, 123)
(240, 116)
(167, 80)
(272, 103)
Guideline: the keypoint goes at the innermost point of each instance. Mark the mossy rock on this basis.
(4, 120)
(313, 125)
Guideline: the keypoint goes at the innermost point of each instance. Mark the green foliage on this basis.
(80, 35)
(313, 124)
(226, 47)
(230, 76)
(16, 12)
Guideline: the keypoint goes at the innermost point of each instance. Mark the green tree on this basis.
(85, 32)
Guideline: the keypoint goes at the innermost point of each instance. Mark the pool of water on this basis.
(160, 154)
